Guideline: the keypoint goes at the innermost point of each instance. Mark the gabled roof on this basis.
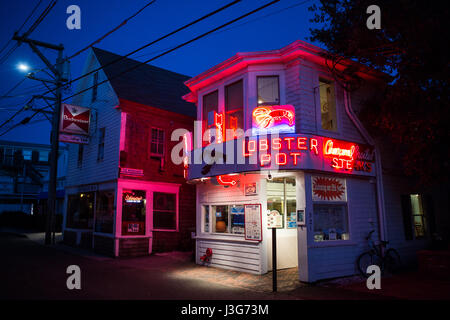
(146, 84)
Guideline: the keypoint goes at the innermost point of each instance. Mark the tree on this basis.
(412, 46)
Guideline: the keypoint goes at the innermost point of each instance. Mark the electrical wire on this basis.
(112, 31)
(179, 46)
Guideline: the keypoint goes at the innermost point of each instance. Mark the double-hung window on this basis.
(210, 104)
(327, 105)
(268, 90)
(101, 144)
(157, 143)
(164, 211)
(234, 108)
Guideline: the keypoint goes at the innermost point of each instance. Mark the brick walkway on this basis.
(287, 279)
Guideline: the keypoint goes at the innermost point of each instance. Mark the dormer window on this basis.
(268, 90)
(327, 105)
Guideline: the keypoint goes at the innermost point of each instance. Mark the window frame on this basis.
(273, 103)
(101, 144)
(320, 129)
(409, 224)
(285, 214)
(176, 211)
(163, 153)
(211, 232)
(80, 155)
(225, 95)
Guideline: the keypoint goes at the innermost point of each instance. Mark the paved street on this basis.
(30, 270)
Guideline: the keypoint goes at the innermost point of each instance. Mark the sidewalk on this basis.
(177, 268)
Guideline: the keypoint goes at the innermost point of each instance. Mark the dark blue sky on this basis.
(100, 16)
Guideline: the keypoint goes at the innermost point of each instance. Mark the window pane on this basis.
(164, 201)
(133, 212)
(27, 154)
(205, 210)
(80, 211)
(104, 216)
(275, 196)
(210, 103)
(268, 91)
(164, 220)
(220, 219)
(416, 204)
(234, 104)
(43, 156)
(291, 204)
(327, 105)
(237, 219)
(330, 222)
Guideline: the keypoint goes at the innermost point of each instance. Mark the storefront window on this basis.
(133, 212)
(220, 219)
(80, 211)
(205, 213)
(104, 216)
(237, 219)
(281, 197)
(330, 222)
(164, 211)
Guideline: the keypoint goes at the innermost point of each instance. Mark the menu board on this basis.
(253, 222)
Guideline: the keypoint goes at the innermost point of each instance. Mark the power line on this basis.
(178, 46)
(113, 30)
(155, 41)
(36, 23)
(23, 24)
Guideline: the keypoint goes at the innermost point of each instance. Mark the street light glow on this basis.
(23, 67)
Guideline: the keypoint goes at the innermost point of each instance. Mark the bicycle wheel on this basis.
(392, 262)
(367, 259)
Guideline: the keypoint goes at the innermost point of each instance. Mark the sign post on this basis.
(274, 221)
(274, 259)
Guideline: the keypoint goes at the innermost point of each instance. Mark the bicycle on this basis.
(388, 260)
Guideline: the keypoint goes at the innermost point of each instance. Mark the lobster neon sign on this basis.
(273, 119)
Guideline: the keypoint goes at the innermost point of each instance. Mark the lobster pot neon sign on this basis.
(273, 119)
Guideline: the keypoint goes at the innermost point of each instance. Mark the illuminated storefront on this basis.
(295, 160)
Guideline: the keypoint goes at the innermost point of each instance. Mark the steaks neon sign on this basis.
(342, 156)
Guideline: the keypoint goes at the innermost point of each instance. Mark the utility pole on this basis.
(54, 137)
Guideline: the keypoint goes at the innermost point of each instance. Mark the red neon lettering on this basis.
(276, 143)
(330, 149)
(265, 158)
(251, 146)
(244, 154)
(295, 154)
(226, 180)
(219, 123)
(313, 145)
(301, 143)
(280, 161)
(289, 139)
(263, 145)
(348, 165)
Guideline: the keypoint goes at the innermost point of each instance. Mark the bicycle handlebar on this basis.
(370, 234)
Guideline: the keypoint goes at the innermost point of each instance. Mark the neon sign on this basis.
(219, 122)
(133, 199)
(340, 152)
(226, 180)
(270, 119)
(289, 152)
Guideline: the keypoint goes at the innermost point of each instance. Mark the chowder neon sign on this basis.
(269, 119)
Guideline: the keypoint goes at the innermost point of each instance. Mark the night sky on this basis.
(255, 33)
